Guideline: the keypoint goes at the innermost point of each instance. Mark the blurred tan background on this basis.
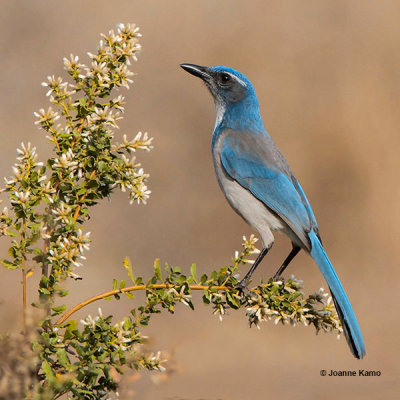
(327, 76)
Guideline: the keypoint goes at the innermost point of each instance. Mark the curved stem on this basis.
(129, 289)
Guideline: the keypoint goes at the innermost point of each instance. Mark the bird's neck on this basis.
(241, 116)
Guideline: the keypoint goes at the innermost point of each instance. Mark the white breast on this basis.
(253, 211)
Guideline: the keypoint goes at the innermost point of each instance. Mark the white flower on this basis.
(322, 292)
(46, 118)
(48, 190)
(54, 84)
(63, 213)
(129, 163)
(10, 181)
(72, 63)
(66, 161)
(22, 197)
(18, 173)
(118, 103)
(141, 141)
(43, 232)
(122, 74)
(26, 152)
(140, 194)
(128, 29)
(82, 240)
(103, 116)
(120, 27)
(89, 321)
(99, 69)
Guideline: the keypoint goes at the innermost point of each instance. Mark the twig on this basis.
(23, 285)
(129, 289)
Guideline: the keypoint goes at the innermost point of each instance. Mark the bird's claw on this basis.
(242, 286)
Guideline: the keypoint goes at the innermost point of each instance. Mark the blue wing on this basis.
(260, 168)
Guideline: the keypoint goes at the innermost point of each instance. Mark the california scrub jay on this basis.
(260, 186)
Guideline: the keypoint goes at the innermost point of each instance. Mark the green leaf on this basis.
(193, 272)
(176, 270)
(294, 296)
(38, 251)
(115, 284)
(128, 267)
(63, 358)
(94, 371)
(48, 370)
(12, 251)
(157, 269)
(231, 301)
(139, 281)
(83, 101)
(102, 166)
(93, 184)
(72, 328)
(12, 233)
(214, 275)
(206, 297)
(59, 309)
(9, 264)
(122, 284)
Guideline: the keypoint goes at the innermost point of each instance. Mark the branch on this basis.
(280, 301)
(130, 289)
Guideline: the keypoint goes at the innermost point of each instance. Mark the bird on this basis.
(260, 186)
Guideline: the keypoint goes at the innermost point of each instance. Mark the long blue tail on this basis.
(349, 322)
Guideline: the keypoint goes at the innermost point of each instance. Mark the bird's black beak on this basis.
(197, 70)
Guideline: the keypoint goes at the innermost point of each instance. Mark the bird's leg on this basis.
(243, 283)
(287, 261)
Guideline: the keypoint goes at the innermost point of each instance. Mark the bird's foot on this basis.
(242, 286)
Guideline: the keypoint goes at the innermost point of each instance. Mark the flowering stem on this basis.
(23, 273)
(130, 289)
(235, 267)
(78, 209)
(66, 111)
(54, 133)
(79, 130)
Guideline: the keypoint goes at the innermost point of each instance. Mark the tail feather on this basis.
(345, 312)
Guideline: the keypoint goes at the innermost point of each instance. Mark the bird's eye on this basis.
(225, 78)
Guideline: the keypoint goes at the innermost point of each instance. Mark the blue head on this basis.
(235, 99)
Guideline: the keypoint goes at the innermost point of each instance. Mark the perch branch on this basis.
(129, 289)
